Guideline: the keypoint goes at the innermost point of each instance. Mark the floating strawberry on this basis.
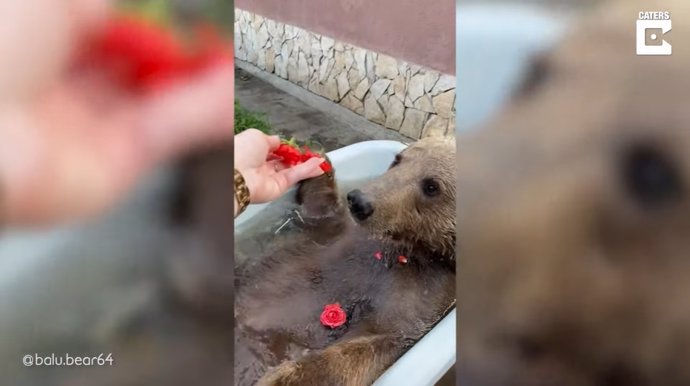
(333, 316)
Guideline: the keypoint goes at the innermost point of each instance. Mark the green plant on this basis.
(245, 119)
(159, 11)
(179, 14)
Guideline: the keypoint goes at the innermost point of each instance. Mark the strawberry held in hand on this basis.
(140, 54)
(291, 154)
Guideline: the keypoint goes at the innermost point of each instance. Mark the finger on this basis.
(273, 142)
(49, 31)
(272, 157)
(315, 165)
(196, 113)
(309, 169)
(288, 177)
(46, 148)
(35, 62)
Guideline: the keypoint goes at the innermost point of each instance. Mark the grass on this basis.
(178, 14)
(245, 119)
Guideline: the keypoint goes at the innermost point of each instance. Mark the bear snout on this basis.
(360, 207)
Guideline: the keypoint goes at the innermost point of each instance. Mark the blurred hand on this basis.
(268, 179)
(72, 143)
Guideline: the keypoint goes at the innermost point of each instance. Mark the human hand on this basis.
(266, 178)
(71, 144)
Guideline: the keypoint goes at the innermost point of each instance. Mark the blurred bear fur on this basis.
(574, 223)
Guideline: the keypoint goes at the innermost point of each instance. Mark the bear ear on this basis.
(537, 73)
(396, 160)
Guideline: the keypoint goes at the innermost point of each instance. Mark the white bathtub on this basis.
(495, 43)
(434, 354)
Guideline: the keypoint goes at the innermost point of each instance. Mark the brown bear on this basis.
(574, 224)
(385, 254)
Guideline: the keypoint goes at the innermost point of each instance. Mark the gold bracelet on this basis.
(241, 192)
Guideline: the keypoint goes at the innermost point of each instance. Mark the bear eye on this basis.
(650, 177)
(430, 187)
(396, 161)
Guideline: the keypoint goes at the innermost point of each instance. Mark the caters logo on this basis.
(652, 28)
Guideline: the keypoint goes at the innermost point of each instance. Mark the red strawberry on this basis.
(326, 167)
(140, 54)
(282, 149)
(137, 52)
(291, 154)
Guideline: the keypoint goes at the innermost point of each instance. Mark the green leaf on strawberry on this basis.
(292, 142)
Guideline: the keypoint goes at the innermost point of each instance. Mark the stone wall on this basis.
(401, 96)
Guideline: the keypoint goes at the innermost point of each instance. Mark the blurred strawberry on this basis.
(210, 50)
(140, 54)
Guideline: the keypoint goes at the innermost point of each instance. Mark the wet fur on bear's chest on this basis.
(280, 301)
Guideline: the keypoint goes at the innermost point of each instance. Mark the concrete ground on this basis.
(294, 111)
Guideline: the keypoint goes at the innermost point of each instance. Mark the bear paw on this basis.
(286, 374)
(318, 197)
